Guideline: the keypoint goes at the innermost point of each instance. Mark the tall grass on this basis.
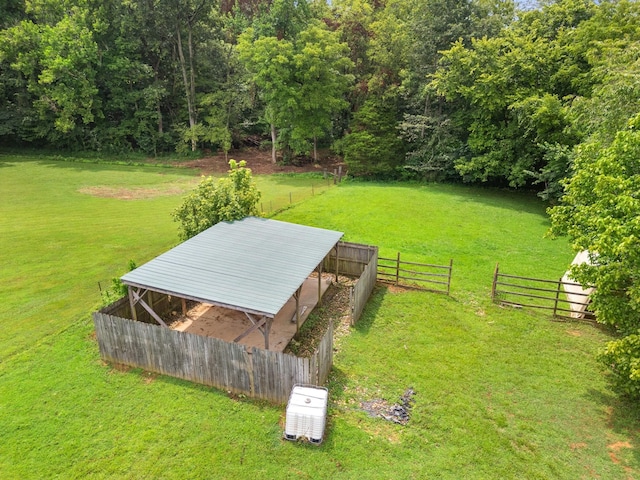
(500, 393)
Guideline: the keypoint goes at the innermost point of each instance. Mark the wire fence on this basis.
(271, 205)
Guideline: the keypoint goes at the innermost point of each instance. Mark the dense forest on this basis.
(472, 90)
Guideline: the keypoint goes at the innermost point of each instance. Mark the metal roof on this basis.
(254, 265)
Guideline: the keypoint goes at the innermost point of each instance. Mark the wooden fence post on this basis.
(555, 305)
(495, 282)
(449, 279)
(398, 269)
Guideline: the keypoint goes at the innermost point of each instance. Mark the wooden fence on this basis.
(536, 293)
(425, 276)
(162, 304)
(229, 366)
(352, 258)
(360, 261)
(361, 291)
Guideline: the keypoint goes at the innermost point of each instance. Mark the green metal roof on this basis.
(254, 265)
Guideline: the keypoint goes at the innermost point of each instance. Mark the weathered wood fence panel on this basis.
(229, 366)
(352, 258)
(161, 302)
(536, 293)
(361, 291)
(355, 260)
(425, 276)
(324, 357)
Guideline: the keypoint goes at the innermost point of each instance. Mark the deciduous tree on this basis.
(229, 198)
(601, 213)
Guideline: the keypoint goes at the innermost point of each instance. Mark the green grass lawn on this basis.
(500, 393)
(68, 226)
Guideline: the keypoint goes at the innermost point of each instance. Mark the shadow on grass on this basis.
(370, 311)
(147, 377)
(97, 163)
(623, 416)
(336, 383)
(294, 178)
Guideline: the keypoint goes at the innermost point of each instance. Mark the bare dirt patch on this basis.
(615, 448)
(132, 193)
(259, 161)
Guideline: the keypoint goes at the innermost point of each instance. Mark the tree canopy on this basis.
(475, 91)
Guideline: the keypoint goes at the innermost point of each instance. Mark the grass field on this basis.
(500, 393)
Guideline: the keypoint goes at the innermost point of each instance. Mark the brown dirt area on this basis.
(259, 161)
(219, 322)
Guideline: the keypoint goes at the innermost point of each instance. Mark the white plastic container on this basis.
(306, 413)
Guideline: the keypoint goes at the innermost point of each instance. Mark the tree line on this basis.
(471, 90)
(457, 90)
(162, 75)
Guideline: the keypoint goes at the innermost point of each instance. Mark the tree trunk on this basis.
(192, 76)
(273, 143)
(315, 149)
(187, 89)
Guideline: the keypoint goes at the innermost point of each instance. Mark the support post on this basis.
(398, 269)
(257, 324)
(449, 279)
(137, 298)
(184, 306)
(337, 259)
(267, 330)
(132, 303)
(555, 304)
(320, 282)
(296, 296)
(495, 283)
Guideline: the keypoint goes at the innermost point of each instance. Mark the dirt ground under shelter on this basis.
(227, 324)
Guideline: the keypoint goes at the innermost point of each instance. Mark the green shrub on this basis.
(622, 357)
(229, 198)
(117, 289)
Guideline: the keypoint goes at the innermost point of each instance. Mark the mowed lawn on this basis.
(67, 228)
(500, 393)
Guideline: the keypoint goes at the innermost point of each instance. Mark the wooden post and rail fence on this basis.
(549, 295)
(424, 276)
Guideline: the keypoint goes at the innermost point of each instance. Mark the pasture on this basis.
(500, 393)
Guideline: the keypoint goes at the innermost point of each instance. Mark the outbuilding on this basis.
(254, 266)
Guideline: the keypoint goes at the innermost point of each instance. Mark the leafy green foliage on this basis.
(373, 147)
(622, 357)
(301, 81)
(225, 199)
(117, 289)
(601, 213)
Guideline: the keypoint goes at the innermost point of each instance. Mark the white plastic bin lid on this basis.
(308, 397)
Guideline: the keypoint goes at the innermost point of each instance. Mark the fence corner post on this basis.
(398, 269)
(450, 273)
(495, 283)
